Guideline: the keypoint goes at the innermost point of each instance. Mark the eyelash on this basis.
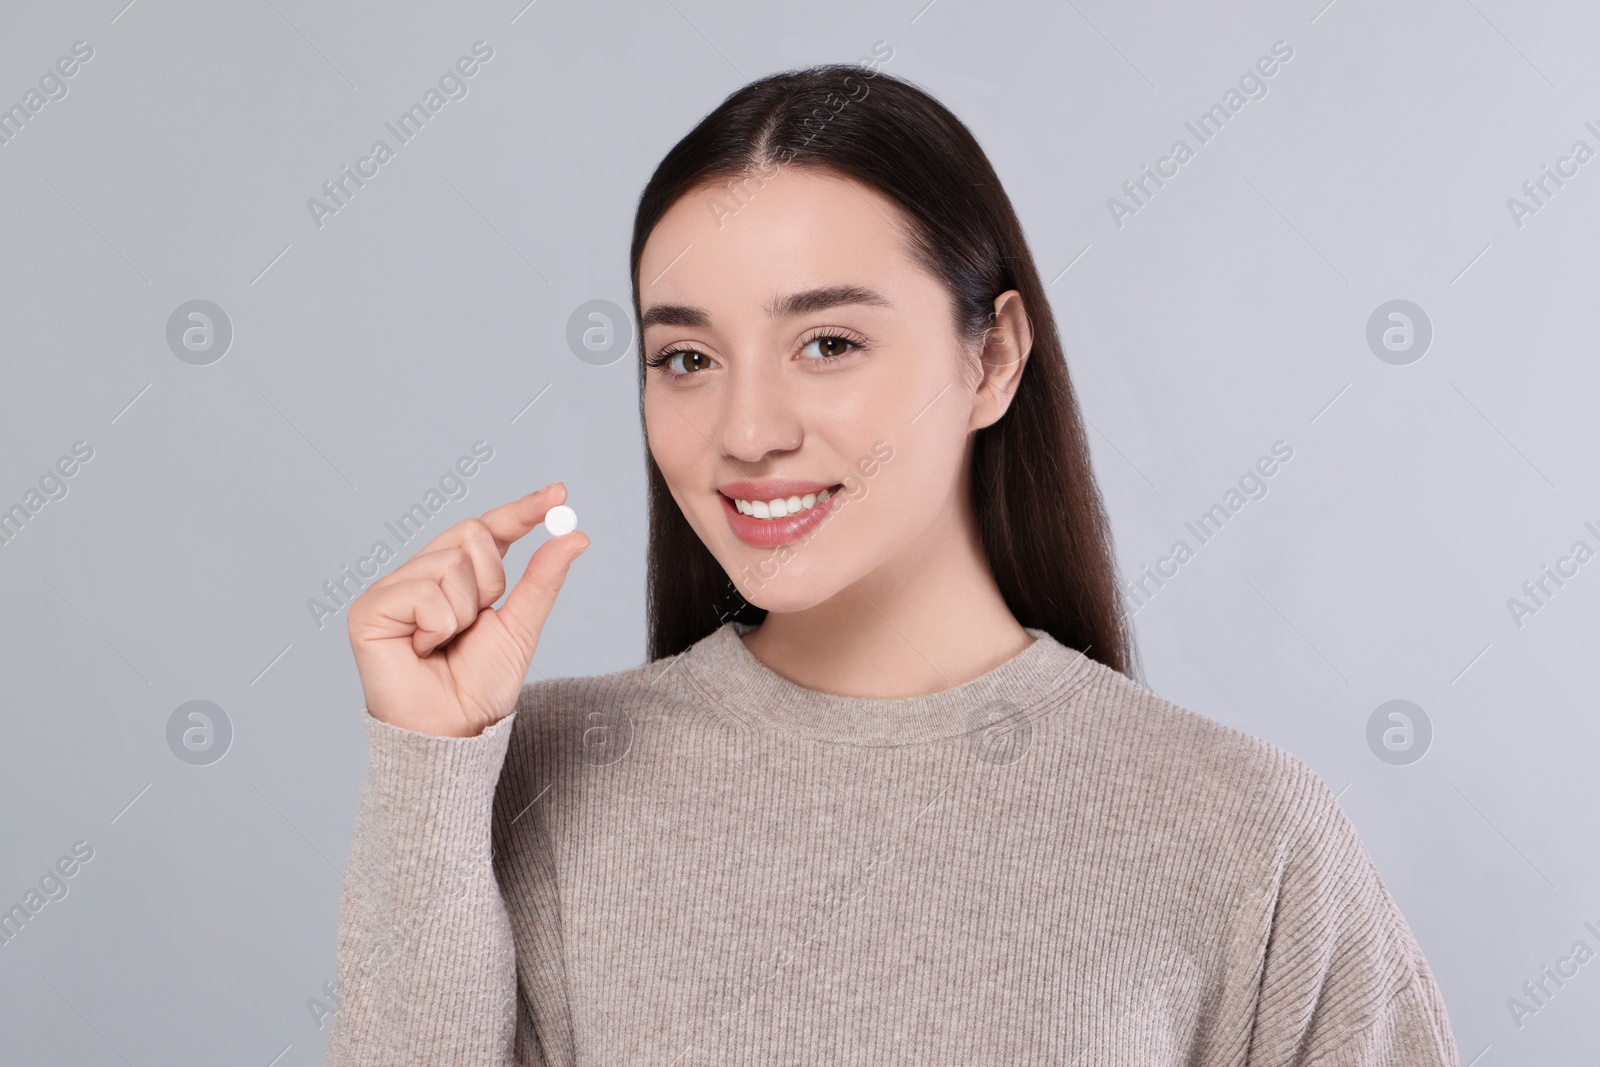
(857, 343)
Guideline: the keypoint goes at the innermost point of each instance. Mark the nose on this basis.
(757, 415)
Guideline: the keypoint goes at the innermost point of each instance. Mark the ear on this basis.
(1005, 351)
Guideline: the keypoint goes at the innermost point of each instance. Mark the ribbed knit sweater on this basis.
(697, 861)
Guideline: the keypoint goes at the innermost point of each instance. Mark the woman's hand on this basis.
(433, 655)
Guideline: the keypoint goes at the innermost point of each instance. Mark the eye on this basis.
(692, 360)
(832, 346)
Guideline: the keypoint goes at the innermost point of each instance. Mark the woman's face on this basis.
(806, 352)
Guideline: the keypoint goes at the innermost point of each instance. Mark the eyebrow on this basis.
(801, 303)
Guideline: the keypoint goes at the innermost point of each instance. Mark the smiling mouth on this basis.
(771, 523)
(782, 507)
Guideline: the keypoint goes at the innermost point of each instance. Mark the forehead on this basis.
(736, 244)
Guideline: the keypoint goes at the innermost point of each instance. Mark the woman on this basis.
(885, 792)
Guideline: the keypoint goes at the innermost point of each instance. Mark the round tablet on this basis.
(560, 520)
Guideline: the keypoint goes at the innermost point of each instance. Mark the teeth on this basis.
(778, 507)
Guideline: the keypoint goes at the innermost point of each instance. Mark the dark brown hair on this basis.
(1039, 512)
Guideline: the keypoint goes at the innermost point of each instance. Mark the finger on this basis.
(416, 609)
(473, 567)
(506, 523)
(509, 522)
(530, 600)
(457, 583)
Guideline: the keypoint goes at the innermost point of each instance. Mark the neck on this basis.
(931, 618)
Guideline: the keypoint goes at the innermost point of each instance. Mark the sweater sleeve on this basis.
(426, 972)
(1343, 983)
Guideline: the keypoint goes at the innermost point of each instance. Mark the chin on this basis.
(785, 598)
(782, 580)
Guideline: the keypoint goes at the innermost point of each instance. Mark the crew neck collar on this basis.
(1040, 676)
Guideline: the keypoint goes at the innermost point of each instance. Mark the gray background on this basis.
(1229, 313)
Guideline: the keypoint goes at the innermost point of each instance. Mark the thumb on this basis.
(530, 600)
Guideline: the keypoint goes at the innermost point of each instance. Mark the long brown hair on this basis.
(1040, 516)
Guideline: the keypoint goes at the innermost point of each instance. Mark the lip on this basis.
(770, 533)
(770, 489)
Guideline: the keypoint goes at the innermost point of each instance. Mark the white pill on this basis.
(560, 520)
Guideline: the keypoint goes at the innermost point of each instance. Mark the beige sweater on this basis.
(697, 862)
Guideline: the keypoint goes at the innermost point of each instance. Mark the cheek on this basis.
(919, 482)
(685, 461)
(665, 435)
(882, 513)
(918, 413)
